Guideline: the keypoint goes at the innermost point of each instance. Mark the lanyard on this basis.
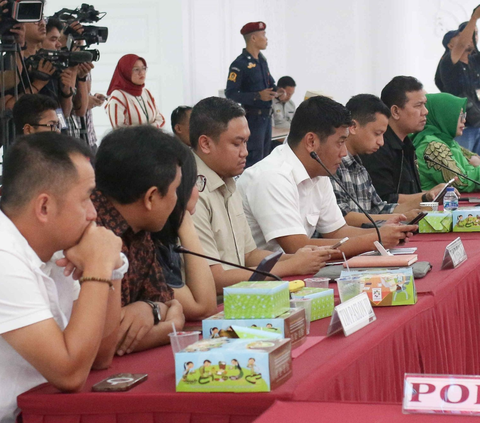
(143, 106)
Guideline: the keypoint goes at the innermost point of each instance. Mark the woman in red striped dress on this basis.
(129, 102)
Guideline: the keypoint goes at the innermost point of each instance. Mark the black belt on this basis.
(262, 112)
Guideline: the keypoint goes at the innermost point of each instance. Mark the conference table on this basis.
(324, 412)
(440, 334)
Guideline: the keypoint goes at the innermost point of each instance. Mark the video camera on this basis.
(60, 59)
(85, 14)
(20, 11)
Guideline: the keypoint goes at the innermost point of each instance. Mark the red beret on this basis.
(252, 27)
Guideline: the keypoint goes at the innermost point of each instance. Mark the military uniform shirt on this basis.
(247, 76)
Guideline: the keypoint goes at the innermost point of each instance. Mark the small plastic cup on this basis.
(317, 282)
(431, 205)
(180, 340)
(349, 287)
(305, 303)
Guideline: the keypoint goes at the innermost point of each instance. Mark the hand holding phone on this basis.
(417, 218)
(339, 243)
(441, 194)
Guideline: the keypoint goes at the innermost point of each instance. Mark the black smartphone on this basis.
(417, 218)
(120, 382)
(441, 194)
(265, 266)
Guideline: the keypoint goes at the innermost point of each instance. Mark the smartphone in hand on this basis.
(417, 218)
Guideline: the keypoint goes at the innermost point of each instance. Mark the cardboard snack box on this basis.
(466, 219)
(233, 365)
(289, 325)
(384, 287)
(322, 301)
(436, 222)
(256, 300)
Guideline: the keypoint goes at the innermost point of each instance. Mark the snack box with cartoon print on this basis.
(436, 222)
(322, 301)
(466, 219)
(384, 287)
(256, 300)
(289, 325)
(233, 365)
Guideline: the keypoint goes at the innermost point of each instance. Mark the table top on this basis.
(403, 339)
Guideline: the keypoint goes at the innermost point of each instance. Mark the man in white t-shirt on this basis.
(51, 328)
(288, 195)
(283, 107)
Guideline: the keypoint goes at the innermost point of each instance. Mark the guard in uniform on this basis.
(250, 84)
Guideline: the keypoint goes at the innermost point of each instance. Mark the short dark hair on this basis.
(364, 107)
(395, 92)
(29, 109)
(37, 162)
(178, 115)
(54, 23)
(133, 159)
(286, 81)
(320, 115)
(169, 233)
(211, 116)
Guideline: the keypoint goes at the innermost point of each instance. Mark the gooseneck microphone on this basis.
(180, 249)
(429, 159)
(315, 157)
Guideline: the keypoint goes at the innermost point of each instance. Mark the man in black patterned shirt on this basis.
(370, 121)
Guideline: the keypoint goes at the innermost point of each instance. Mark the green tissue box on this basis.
(322, 301)
(256, 300)
(435, 222)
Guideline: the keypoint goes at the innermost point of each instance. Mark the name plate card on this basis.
(435, 394)
(454, 254)
(352, 315)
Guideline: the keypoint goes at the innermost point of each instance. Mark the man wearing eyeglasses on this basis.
(34, 113)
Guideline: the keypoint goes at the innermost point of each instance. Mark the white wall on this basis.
(340, 47)
(150, 28)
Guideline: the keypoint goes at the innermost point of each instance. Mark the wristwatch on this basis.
(73, 91)
(156, 311)
(120, 272)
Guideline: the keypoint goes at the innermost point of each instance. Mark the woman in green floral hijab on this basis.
(445, 121)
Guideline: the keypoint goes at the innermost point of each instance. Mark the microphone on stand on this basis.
(429, 159)
(180, 249)
(315, 157)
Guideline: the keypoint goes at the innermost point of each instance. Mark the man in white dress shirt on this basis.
(288, 195)
(51, 329)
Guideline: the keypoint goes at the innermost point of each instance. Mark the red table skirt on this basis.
(316, 412)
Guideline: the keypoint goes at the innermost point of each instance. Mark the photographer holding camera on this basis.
(43, 78)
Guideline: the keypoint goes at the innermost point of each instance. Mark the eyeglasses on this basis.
(44, 20)
(138, 70)
(201, 183)
(53, 126)
(463, 117)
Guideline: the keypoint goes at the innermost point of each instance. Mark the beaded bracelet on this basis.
(94, 279)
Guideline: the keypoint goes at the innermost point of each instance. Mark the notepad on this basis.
(382, 261)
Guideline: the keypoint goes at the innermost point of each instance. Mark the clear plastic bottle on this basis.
(450, 201)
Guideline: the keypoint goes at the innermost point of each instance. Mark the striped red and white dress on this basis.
(124, 109)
